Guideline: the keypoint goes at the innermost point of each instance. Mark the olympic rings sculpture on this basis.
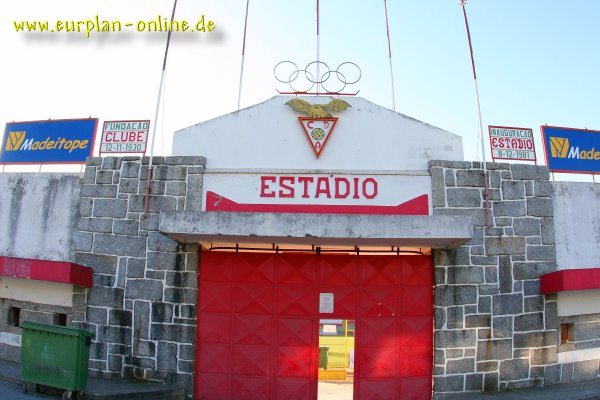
(318, 75)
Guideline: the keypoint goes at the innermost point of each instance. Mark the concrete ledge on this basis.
(434, 231)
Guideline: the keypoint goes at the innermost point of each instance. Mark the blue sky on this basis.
(537, 61)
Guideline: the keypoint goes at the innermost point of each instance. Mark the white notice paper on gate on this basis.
(326, 303)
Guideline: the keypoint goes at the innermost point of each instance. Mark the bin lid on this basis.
(57, 329)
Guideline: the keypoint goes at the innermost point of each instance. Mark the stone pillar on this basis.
(493, 329)
(142, 307)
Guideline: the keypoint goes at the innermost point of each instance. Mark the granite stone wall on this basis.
(142, 306)
(493, 329)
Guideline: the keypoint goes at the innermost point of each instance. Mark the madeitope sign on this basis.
(572, 150)
(48, 142)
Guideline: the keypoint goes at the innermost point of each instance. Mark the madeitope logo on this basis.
(559, 147)
(16, 142)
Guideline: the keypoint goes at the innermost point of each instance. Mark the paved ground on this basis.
(331, 390)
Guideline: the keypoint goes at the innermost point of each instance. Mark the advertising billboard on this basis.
(66, 141)
(124, 136)
(572, 150)
(508, 143)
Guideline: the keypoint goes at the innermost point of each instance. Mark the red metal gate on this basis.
(258, 316)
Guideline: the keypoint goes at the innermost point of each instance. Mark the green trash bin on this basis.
(323, 357)
(55, 356)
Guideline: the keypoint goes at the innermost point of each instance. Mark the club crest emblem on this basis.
(318, 125)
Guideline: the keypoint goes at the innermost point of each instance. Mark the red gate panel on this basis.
(257, 333)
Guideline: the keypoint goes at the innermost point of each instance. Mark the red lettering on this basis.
(355, 196)
(305, 180)
(338, 190)
(322, 189)
(109, 136)
(373, 192)
(284, 186)
(264, 186)
(310, 124)
(494, 142)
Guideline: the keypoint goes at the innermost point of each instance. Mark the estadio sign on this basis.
(124, 136)
(317, 193)
(48, 142)
(509, 143)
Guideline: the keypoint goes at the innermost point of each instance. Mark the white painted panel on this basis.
(578, 355)
(53, 293)
(11, 339)
(269, 135)
(578, 302)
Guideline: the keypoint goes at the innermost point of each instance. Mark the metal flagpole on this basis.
(243, 53)
(318, 77)
(390, 55)
(485, 180)
(160, 87)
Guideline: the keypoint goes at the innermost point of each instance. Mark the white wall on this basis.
(577, 224)
(38, 215)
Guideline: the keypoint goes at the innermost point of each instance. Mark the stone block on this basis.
(164, 261)
(585, 370)
(484, 305)
(489, 350)
(552, 321)
(96, 315)
(187, 311)
(136, 267)
(471, 178)
(460, 366)
(544, 356)
(119, 317)
(128, 185)
(182, 279)
(439, 318)
(535, 339)
(484, 260)
(533, 303)
(529, 322)
(120, 245)
(126, 227)
(531, 288)
(186, 352)
(170, 172)
(474, 382)
(541, 253)
(162, 312)
(449, 164)
(454, 257)
(439, 275)
(150, 222)
(445, 384)
(513, 190)
(486, 366)
(167, 356)
(462, 197)
(111, 163)
(187, 296)
(491, 274)
(509, 208)
(532, 270)
(159, 242)
(185, 160)
(542, 189)
(105, 297)
(161, 203)
(502, 327)
(144, 289)
(98, 351)
(438, 189)
(455, 338)
(141, 320)
(477, 216)
(526, 226)
(103, 177)
(507, 304)
(449, 178)
(173, 333)
(529, 172)
(175, 188)
(96, 225)
(157, 275)
(548, 231)
(130, 169)
(477, 321)
(144, 348)
(454, 295)
(114, 334)
(193, 200)
(513, 370)
(488, 290)
(83, 241)
(465, 275)
(505, 275)
(99, 191)
(539, 207)
(533, 240)
(454, 318)
(552, 374)
(195, 171)
(490, 231)
(103, 280)
(496, 246)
